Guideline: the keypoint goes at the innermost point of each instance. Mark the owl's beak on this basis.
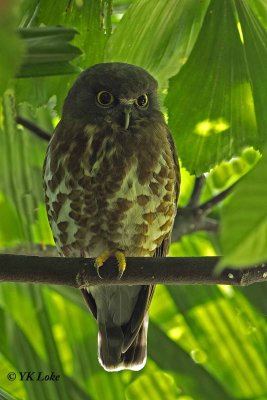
(127, 105)
(127, 111)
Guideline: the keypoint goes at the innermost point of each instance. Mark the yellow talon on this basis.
(102, 258)
(99, 261)
(121, 262)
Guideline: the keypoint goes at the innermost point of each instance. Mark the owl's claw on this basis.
(121, 263)
(97, 271)
(99, 261)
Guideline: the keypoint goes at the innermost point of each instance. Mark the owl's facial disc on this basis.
(122, 108)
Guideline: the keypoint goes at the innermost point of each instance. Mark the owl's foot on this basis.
(121, 263)
(100, 260)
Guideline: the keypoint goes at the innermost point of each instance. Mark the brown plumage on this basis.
(111, 180)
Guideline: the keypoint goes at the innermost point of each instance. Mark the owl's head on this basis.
(118, 92)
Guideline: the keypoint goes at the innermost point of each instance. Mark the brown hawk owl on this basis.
(111, 180)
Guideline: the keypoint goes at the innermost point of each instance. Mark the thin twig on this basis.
(197, 190)
(80, 272)
(190, 220)
(195, 218)
(209, 204)
(33, 128)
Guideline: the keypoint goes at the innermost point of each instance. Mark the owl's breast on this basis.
(108, 199)
(144, 211)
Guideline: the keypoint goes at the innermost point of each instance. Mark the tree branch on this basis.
(193, 217)
(189, 220)
(198, 187)
(33, 128)
(80, 272)
(209, 204)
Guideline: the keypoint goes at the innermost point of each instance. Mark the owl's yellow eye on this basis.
(104, 98)
(142, 101)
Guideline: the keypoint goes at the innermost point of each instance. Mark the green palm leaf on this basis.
(204, 342)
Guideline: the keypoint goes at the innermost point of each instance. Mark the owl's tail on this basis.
(110, 348)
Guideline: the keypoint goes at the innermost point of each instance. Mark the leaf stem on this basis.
(208, 205)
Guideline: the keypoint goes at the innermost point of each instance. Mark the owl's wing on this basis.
(163, 249)
(131, 329)
(176, 166)
(90, 302)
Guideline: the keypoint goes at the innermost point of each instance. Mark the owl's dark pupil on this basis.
(142, 101)
(105, 98)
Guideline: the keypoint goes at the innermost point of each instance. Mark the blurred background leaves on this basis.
(47, 52)
(210, 58)
(11, 46)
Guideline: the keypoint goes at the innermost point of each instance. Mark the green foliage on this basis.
(218, 98)
(244, 222)
(203, 342)
(156, 385)
(210, 59)
(90, 18)
(5, 396)
(21, 183)
(48, 52)
(11, 48)
(157, 35)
